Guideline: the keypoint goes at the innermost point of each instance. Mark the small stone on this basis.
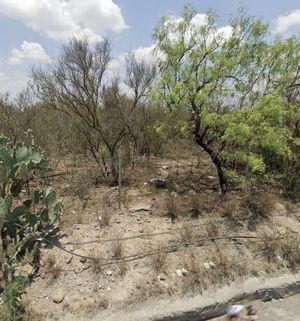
(58, 296)
(164, 167)
(212, 264)
(109, 273)
(161, 278)
(179, 272)
(210, 177)
(108, 288)
(138, 218)
(279, 258)
(174, 194)
(184, 272)
(206, 265)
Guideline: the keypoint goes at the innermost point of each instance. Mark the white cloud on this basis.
(61, 19)
(2, 75)
(225, 31)
(29, 51)
(284, 22)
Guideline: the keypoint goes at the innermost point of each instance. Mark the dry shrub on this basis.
(230, 210)
(229, 264)
(196, 204)
(213, 228)
(117, 248)
(158, 261)
(277, 246)
(150, 288)
(198, 277)
(81, 183)
(187, 233)
(96, 262)
(106, 215)
(52, 267)
(123, 268)
(172, 205)
(258, 206)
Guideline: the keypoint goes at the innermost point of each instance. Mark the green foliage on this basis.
(237, 85)
(22, 223)
(10, 311)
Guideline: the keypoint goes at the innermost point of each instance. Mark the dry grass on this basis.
(231, 210)
(196, 205)
(146, 288)
(187, 233)
(279, 246)
(258, 206)
(213, 228)
(198, 278)
(117, 248)
(158, 261)
(96, 262)
(52, 267)
(172, 206)
(106, 215)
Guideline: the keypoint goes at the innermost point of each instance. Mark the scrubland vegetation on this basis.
(206, 141)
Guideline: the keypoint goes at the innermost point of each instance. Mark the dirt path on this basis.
(190, 308)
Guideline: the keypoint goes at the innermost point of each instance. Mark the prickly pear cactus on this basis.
(22, 224)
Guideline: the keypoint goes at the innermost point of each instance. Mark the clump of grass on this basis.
(158, 261)
(277, 246)
(187, 233)
(117, 248)
(213, 228)
(198, 278)
(52, 267)
(196, 204)
(172, 205)
(96, 262)
(230, 210)
(146, 288)
(105, 218)
(258, 206)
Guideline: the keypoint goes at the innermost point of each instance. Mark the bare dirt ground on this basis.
(178, 265)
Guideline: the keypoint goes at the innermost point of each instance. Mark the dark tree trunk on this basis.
(216, 161)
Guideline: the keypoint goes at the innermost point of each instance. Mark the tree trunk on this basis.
(216, 161)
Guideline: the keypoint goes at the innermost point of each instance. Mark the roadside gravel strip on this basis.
(206, 306)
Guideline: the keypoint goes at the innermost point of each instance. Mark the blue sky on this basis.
(32, 31)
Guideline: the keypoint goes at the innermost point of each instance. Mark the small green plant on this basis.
(10, 311)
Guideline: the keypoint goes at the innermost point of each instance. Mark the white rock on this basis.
(164, 167)
(206, 265)
(212, 264)
(109, 273)
(161, 278)
(58, 296)
(179, 272)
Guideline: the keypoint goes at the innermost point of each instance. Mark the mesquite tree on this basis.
(80, 84)
(221, 76)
